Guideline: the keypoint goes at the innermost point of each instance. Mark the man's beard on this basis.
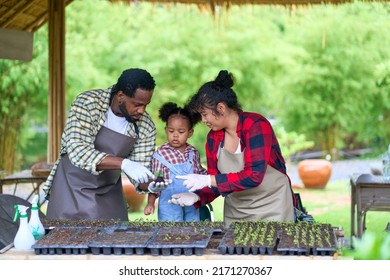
(127, 116)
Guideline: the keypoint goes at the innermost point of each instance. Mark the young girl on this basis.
(175, 157)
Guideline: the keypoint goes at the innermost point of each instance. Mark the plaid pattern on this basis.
(174, 156)
(260, 147)
(86, 116)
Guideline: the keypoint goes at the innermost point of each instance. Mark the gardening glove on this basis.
(195, 182)
(159, 186)
(136, 171)
(184, 199)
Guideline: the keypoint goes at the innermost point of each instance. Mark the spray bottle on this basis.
(35, 223)
(24, 239)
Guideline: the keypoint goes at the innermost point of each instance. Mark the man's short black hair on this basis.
(133, 79)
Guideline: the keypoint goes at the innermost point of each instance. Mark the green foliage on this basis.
(291, 142)
(332, 80)
(23, 94)
(317, 70)
(371, 247)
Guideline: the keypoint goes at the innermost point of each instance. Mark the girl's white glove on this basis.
(195, 182)
(184, 199)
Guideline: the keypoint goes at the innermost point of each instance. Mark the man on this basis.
(107, 131)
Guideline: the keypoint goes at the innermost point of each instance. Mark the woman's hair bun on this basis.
(224, 79)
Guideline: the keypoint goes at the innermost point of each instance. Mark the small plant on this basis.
(370, 247)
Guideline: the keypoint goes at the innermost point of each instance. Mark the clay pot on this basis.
(314, 173)
(134, 199)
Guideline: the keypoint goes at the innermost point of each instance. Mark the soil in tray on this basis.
(279, 238)
(122, 241)
(186, 240)
(215, 240)
(48, 224)
(307, 238)
(250, 237)
(65, 241)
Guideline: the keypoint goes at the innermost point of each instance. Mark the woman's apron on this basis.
(78, 194)
(172, 212)
(271, 200)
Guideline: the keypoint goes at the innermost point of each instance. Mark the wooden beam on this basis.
(56, 77)
(16, 44)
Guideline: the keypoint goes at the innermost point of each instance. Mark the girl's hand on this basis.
(149, 209)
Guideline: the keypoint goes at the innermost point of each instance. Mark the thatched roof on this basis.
(30, 15)
(26, 15)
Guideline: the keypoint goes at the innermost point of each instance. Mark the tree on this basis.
(331, 94)
(23, 95)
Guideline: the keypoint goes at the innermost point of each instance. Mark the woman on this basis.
(244, 160)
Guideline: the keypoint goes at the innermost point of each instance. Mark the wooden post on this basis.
(56, 99)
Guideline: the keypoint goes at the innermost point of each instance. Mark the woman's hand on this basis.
(195, 182)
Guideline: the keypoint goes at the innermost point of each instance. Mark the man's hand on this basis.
(184, 199)
(195, 182)
(136, 171)
(159, 186)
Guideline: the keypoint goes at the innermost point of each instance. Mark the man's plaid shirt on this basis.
(86, 116)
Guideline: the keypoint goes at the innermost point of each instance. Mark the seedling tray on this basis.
(122, 240)
(178, 241)
(65, 241)
(249, 238)
(227, 246)
(317, 239)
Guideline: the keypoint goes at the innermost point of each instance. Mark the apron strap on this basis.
(168, 164)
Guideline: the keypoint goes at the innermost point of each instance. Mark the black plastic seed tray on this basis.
(180, 241)
(294, 251)
(307, 251)
(323, 251)
(122, 240)
(231, 250)
(228, 246)
(318, 240)
(65, 241)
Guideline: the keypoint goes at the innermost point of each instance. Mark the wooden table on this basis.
(368, 193)
(25, 176)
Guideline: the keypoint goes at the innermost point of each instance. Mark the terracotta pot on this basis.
(134, 199)
(314, 173)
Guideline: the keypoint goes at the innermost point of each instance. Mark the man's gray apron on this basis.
(271, 200)
(78, 194)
